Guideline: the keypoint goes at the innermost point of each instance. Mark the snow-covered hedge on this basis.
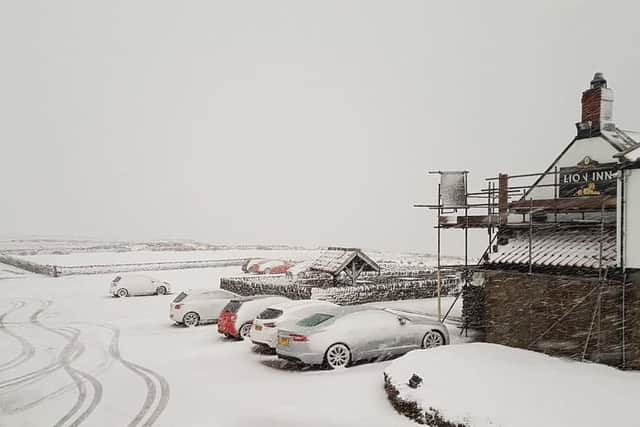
(484, 385)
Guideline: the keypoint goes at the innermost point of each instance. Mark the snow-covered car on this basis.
(237, 316)
(138, 284)
(271, 267)
(264, 331)
(340, 337)
(251, 264)
(192, 308)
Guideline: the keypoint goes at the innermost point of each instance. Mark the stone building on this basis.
(560, 274)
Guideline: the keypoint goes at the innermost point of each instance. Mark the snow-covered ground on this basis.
(135, 257)
(490, 385)
(70, 352)
(9, 271)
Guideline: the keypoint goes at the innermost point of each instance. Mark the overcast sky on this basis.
(295, 122)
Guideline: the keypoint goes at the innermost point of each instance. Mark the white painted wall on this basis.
(597, 148)
(632, 218)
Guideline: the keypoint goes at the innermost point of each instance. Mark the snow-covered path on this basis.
(71, 355)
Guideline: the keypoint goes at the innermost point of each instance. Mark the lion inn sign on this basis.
(588, 178)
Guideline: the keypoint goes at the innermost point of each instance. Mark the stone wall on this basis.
(562, 316)
(385, 288)
(391, 291)
(264, 286)
(28, 265)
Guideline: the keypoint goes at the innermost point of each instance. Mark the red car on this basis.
(237, 316)
(271, 267)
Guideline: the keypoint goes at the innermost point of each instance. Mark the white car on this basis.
(137, 284)
(237, 316)
(191, 308)
(264, 331)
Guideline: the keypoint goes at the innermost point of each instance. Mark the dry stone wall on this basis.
(245, 287)
(565, 316)
(394, 290)
(387, 289)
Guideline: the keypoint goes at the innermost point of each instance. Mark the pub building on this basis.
(560, 272)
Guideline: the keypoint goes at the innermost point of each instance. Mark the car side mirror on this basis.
(402, 321)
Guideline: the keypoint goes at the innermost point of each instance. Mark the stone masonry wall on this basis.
(389, 290)
(560, 316)
(399, 290)
(265, 287)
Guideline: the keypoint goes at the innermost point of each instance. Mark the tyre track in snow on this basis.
(33, 375)
(60, 390)
(27, 350)
(157, 387)
(148, 376)
(73, 350)
(79, 378)
(70, 352)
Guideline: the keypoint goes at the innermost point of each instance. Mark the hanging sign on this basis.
(588, 178)
(453, 189)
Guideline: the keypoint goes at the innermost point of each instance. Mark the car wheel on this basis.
(245, 330)
(432, 339)
(161, 290)
(191, 319)
(122, 292)
(267, 271)
(337, 356)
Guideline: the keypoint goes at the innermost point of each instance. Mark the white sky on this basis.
(294, 122)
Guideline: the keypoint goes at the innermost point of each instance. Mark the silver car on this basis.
(337, 338)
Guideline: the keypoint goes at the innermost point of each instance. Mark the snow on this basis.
(9, 271)
(134, 257)
(490, 385)
(143, 365)
(426, 306)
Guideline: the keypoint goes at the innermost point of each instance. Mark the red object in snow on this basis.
(227, 324)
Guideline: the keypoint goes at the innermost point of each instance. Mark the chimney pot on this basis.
(598, 81)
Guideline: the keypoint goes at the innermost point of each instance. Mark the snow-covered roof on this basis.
(622, 140)
(578, 247)
(334, 260)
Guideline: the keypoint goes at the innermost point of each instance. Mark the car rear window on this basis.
(314, 319)
(232, 306)
(180, 297)
(270, 313)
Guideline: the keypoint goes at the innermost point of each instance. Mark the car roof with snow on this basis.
(290, 305)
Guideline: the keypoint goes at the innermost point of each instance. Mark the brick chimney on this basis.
(597, 107)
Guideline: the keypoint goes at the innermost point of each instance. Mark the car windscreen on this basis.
(314, 320)
(180, 297)
(232, 306)
(270, 313)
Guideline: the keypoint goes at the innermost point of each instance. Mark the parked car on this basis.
(251, 264)
(237, 316)
(271, 267)
(137, 284)
(192, 308)
(338, 338)
(264, 331)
